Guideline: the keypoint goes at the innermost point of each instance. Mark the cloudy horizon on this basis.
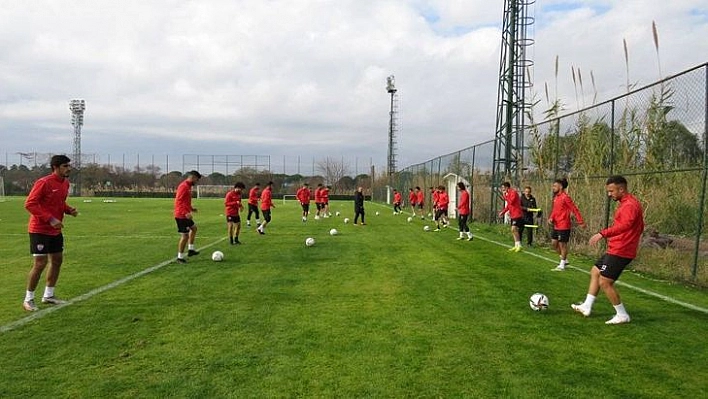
(307, 78)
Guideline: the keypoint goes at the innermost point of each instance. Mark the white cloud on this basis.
(305, 77)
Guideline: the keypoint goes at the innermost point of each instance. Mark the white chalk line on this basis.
(620, 283)
(44, 312)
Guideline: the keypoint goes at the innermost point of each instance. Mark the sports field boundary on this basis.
(620, 283)
(46, 311)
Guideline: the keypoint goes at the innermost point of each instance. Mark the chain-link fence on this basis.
(655, 136)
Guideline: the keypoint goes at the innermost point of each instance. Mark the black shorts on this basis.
(43, 244)
(611, 266)
(184, 225)
(560, 235)
(420, 206)
(233, 219)
(319, 206)
(266, 215)
(440, 212)
(305, 207)
(518, 222)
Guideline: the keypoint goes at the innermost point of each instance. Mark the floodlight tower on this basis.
(392, 125)
(77, 108)
(514, 85)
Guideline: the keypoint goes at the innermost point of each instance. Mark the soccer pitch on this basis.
(382, 310)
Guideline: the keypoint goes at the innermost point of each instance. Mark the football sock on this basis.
(517, 244)
(469, 235)
(191, 247)
(462, 235)
(48, 292)
(29, 295)
(180, 255)
(589, 300)
(621, 310)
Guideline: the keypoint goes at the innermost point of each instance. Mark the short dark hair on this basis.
(257, 184)
(270, 183)
(239, 185)
(617, 179)
(195, 174)
(461, 186)
(563, 182)
(58, 160)
(506, 184)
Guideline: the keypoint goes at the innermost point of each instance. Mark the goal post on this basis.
(2, 189)
(288, 196)
(212, 191)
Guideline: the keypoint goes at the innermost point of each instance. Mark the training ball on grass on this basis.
(426, 228)
(217, 256)
(333, 232)
(346, 220)
(377, 213)
(430, 215)
(337, 213)
(317, 217)
(538, 302)
(410, 219)
(310, 242)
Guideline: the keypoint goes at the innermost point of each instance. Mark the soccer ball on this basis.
(426, 228)
(346, 220)
(310, 242)
(217, 256)
(430, 215)
(538, 302)
(337, 213)
(317, 217)
(333, 232)
(410, 219)
(377, 213)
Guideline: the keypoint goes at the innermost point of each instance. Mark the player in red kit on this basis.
(441, 205)
(463, 212)
(420, 201)
(397, 202)
(47, 206)
(623, 239)
(184, 213)
(563, 208)
(411, 200)
(513, 206)
(233, 205)
(303, 195)
(253, 196)
(266, 206)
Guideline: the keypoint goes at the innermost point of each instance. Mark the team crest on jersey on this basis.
(40, 247)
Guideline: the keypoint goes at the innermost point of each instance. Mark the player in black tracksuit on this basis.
(528, 201)
(359, 205)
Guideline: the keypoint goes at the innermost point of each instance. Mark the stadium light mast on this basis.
(392, 125)
(512, 103)
(77, 108)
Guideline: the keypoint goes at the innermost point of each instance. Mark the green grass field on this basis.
(383, 310)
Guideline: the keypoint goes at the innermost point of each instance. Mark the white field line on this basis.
(620, 283)
(41, 313)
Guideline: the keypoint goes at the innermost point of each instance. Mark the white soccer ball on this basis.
(538, 302)
(410, 219)
(217, 256)
(317, 217)
(346, 220)
(337, 213)
(377, 213)
(310, 242)
(333, 232)
(426, 228)
(430, 215)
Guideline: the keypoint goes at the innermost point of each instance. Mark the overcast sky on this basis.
(306, 77)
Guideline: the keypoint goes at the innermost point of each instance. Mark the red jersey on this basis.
(563, 207)
(463, 206)
(397, 198)
(318, 195)
(420, 198)
(266, 199)
(183, 199)
(303, 195)
(513, 204)
(253, 195)
(233, 203)
(411, 197)
(626, 231)
(47, 201)
(324, 196)
(436, 198)
(443, 200)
